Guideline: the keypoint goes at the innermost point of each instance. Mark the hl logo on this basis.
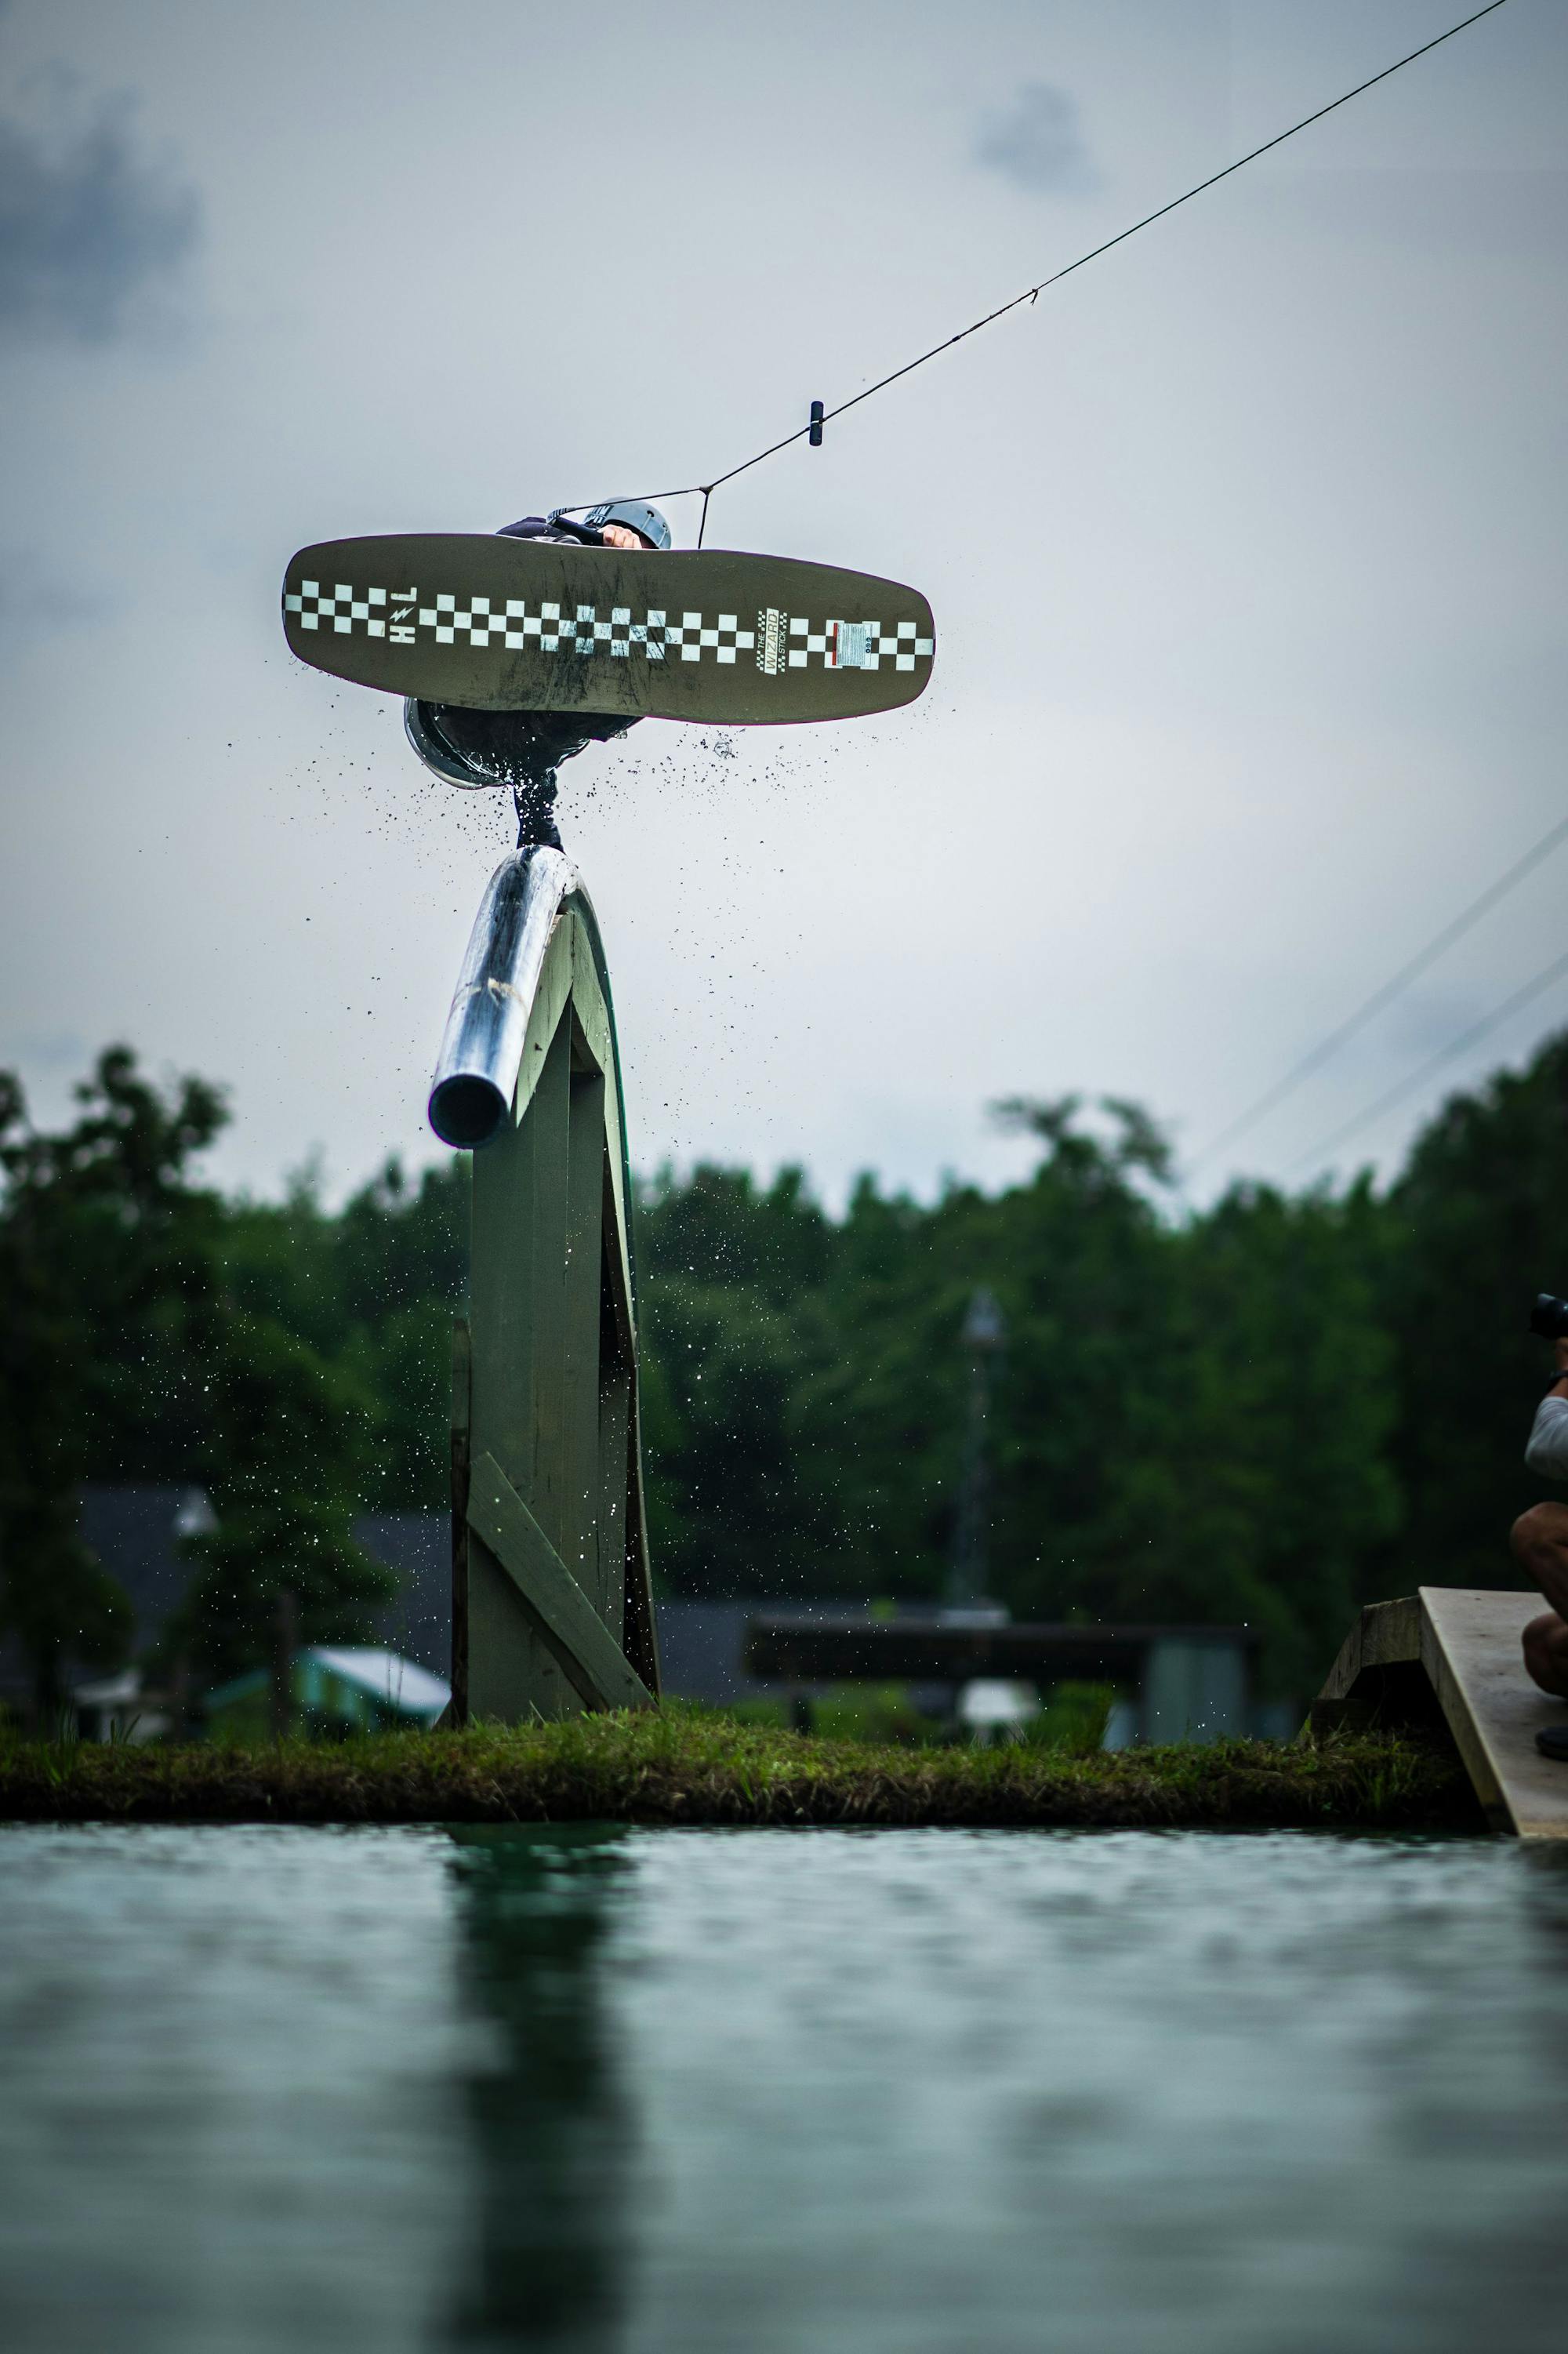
(400, 621)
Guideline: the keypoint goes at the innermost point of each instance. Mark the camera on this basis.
(1549, 1316)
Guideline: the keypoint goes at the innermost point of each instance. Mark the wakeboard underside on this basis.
(714, 636)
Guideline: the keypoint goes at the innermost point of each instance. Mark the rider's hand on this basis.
(616, 534)
(1561, 1345)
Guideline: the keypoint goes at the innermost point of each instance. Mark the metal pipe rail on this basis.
(481, 1049)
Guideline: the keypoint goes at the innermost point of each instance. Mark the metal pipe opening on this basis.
(482, 1051)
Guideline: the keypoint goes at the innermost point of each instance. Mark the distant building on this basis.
(702, 1651)
(700, 1647)
(135, 1530)
(417, 1547)
(337, 1689)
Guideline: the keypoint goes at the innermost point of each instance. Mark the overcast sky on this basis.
(1246, 546)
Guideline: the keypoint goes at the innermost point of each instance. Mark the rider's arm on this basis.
(614, 534)
(1547, 1452)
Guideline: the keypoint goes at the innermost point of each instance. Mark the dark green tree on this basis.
(725, 1270)
(1270, 1410)
(282, 1449)
(101, 1254)
(1477, 1224)
(372, 1288)
(1253, 1480)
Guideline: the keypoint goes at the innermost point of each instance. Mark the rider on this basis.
(524, 749)
(1541, 1546)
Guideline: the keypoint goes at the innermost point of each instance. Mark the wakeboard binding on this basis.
(486, 750)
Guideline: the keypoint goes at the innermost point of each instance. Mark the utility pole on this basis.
(984, 1335)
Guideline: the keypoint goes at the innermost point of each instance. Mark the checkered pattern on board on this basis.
(481, 623)
(338, 608)
(898, 647)
(508, 622)
(722, 638)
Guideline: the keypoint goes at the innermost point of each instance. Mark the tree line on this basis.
(1268, 1410)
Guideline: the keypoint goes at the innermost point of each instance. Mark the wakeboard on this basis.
(710, 635)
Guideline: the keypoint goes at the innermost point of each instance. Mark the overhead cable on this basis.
(1391, 989)
(1532, 989)
(812, 430)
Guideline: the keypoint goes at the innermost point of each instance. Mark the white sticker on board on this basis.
(772, 628)
(851, 643)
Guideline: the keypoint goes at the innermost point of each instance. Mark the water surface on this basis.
(893, 2092)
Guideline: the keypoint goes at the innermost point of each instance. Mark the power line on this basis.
(1479, 1030)
(1391, 989)
(1032, 293)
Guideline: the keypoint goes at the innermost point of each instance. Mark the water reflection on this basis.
(553, 2132)
(599, 2091)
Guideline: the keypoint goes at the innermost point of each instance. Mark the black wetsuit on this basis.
(523, 749)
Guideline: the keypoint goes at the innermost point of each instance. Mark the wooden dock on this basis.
(1452, 1654)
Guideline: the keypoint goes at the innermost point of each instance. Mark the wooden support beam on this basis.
(640, 1632)
(566, 1618)
(519, 1219)
(456, 1711)
(582, 1283)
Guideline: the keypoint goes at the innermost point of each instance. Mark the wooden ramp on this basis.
(1454, 1651)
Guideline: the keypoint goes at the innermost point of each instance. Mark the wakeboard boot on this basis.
(520, 748)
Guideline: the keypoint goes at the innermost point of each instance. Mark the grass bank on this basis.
(680, 1767)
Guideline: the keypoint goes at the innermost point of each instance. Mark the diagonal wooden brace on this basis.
(588, 1652)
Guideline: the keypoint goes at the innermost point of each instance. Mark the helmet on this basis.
(635, 515)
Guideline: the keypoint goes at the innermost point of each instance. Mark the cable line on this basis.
(1391, 989)
(1479, 1030)
(812, 430)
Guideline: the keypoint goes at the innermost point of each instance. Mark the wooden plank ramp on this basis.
(1453, 1652)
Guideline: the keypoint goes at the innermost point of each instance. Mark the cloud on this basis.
(88, 229)
(1038, 142)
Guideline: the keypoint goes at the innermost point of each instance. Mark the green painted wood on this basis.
(547, 1482)
(519, 1208)
(584, 1278)
(590, 1005)
(567, 1619)
(610, 1499)
(787, 641)
(620, 1558)
(462, 1355)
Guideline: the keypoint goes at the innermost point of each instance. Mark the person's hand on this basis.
(617, 535)
(1561, 1345)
